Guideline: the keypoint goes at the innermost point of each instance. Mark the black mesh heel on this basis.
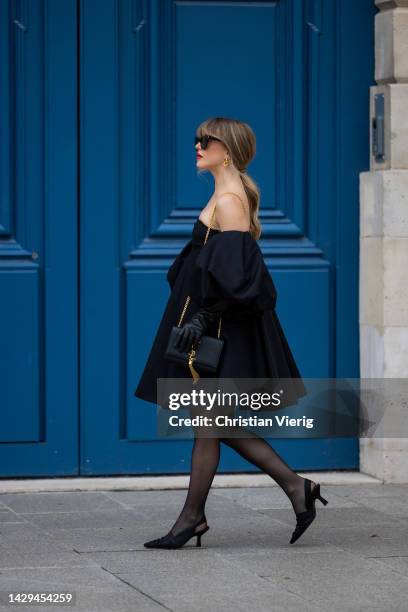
(306, 518)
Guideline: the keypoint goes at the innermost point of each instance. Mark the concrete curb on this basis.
(158, 483)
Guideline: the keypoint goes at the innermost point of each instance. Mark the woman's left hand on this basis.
(191, 331)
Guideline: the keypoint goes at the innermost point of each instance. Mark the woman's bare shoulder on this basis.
(230, 213)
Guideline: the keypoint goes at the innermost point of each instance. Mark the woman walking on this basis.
(222, 271)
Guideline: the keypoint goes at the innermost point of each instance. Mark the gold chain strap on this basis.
(188, 297)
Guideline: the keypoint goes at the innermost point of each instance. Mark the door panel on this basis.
(38, 239)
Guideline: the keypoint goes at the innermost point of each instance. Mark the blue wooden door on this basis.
(99, 193)
(299, 73)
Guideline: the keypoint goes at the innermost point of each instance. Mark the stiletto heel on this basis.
(306, 518)
(177, 541)
(200, 534)
(318, 496)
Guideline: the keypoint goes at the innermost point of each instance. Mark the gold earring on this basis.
(226, 161)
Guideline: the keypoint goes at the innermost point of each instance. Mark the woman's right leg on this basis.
(259, 452)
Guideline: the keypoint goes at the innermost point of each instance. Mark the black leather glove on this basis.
(196, 327)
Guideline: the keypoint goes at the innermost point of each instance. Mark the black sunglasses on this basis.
(204, 140)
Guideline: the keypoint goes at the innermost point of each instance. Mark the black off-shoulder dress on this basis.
(229, 266)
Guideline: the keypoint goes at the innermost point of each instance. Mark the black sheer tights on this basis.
(204, 462)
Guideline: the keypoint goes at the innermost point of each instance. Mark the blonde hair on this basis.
(239, 138)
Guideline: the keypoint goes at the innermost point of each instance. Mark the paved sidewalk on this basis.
(353, 557)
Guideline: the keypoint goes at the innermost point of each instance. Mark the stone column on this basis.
(384, 242)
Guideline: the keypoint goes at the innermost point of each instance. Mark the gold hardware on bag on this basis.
(192, 353)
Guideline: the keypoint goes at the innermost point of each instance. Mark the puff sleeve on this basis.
(175, 267)
(230, 266)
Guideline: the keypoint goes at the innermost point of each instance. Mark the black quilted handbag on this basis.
(204, 357)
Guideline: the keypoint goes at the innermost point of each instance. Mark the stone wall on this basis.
(384, 240)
